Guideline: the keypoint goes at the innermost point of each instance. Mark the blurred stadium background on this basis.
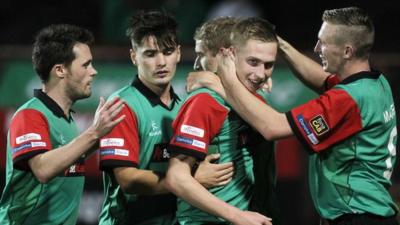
(296, 21)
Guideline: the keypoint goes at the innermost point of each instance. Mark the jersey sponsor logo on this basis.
(319, 125)
(38, 144)
(192, 130)
(155, 130)
(107, 142)
(190, 141)
(22, 147)
(28, 137)
(29, 145)
(310, 135)
(76, 169)
(107, 151)
(160, 153)
(117, 151)
(122, 152)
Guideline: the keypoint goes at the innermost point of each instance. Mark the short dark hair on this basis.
(152, 23)
(253, 28)
(358, 28)
(54, 45)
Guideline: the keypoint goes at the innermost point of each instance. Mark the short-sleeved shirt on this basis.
(207, 124)
(352, 128)
(140, 141)
(39, 126)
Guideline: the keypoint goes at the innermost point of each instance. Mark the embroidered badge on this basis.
(310, 135)
(319, 125)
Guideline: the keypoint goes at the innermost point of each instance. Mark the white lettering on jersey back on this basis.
(192, 130)
(28, 137)
(389, 114)
(112, 142)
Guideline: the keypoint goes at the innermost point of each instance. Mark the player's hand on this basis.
(199, 79)
(213, 174)
(267, 86)
(252, 218)
(105, 117)
(226, 63)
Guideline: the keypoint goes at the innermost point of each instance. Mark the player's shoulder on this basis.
(123, 92)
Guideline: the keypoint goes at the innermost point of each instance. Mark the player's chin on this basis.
(164, 80)
(86, 94)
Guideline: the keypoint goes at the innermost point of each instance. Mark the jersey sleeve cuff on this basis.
(297, 132)
(173, 149)
(21, 161)
(111, 164)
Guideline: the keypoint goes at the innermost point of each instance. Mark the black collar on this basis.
(361, 75)
(51, 104)
(153, 98)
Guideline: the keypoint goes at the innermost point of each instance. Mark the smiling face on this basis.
(156, 64)
(80, 74)
(329, 49)
(255, 62)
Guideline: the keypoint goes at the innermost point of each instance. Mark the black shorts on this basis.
(363, 219)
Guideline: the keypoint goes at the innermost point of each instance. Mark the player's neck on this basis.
(354, 67)
(165, 95)
(61, 98)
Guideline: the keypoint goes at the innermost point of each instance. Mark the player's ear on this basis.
(59, 70)
(132, 54)
(232, 50)
(348, 51)
(178, 53)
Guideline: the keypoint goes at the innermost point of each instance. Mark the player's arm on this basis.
(133, 180)
(307, 70)
(120, 153)
(147, 182)
(270, 123)
(180, 182)
(48, 165)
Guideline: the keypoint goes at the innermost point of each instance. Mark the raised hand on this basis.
(213, 174)
(226, 63)
(104, 120)
(267, 87)
(199, 79)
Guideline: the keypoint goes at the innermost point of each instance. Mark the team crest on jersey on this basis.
(160, 153)
(319, 125)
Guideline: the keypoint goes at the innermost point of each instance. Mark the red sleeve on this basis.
(325, 121)
(29, 136)
(331, 81)
(197, 123)
(261, 98)
(120, 148)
